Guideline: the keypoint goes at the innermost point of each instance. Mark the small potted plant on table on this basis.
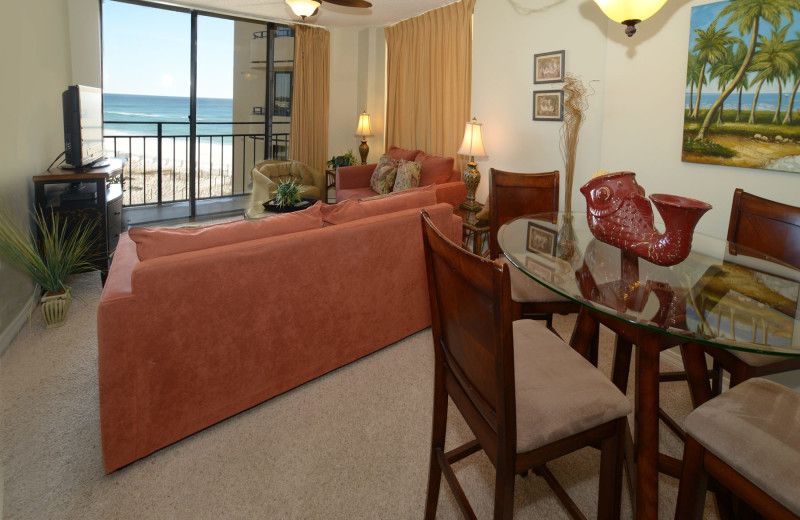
(63, 250)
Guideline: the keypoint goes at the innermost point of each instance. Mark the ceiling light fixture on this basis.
(630, 12)
(303, 8)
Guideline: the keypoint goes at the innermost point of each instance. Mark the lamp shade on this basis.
(472, 145)
(303, 8)
(364, 125)
(622, 11)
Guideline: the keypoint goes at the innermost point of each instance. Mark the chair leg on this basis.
(504, 492)
(439, 431)
(693, 483)
(612, 448)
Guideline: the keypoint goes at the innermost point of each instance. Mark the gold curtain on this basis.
(429, 80)
(308, 138)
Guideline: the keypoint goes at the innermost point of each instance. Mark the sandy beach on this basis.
(750, 153)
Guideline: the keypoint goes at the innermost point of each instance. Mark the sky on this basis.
(704, 15)
(146, 51)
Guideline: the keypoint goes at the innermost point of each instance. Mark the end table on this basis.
(475, 234)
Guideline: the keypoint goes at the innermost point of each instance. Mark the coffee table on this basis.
(268, 211)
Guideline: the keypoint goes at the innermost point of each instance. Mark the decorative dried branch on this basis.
(575, 106)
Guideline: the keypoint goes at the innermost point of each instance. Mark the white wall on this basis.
(634, 119)
(36, 68)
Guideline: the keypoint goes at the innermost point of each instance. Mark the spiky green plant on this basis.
(288, 193)
(65, 250)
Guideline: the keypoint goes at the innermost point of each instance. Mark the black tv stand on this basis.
(89, 193)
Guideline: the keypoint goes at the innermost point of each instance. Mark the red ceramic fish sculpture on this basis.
(619, 214)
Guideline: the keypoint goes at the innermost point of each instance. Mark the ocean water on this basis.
(141, 113)
(767, 101)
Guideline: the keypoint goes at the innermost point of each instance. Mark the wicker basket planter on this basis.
(54, 308)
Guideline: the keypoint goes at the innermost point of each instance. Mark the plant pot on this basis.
(54, 308)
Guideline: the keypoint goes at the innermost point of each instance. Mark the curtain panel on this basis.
(429, 80)
(308, 137)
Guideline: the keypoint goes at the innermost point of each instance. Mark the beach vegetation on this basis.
(707, 147)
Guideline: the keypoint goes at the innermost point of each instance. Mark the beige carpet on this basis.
(350, 445)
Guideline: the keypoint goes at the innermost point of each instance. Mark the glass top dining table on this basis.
(721, 294)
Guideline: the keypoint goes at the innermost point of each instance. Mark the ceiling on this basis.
(382, 12)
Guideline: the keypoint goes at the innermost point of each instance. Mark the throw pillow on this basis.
(383, 177)
(155, 242)
(407, 175)
(434, 169)
(348, 210)
(400, 153)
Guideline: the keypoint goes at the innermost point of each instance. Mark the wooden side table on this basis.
(330, 182)
(474, 236)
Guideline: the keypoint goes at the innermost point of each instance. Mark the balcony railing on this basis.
(157, 168)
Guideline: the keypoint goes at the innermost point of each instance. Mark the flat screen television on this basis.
(83, 125)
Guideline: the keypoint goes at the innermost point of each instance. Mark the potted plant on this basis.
(348, 159)
(288, 193)
(63, 250)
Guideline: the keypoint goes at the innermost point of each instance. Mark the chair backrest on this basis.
(767, 226)
(473, 339)
(512, 195)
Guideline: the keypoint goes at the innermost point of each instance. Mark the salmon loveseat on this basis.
(184, 340)
(352, 182)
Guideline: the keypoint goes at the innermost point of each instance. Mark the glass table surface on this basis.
(722, 294)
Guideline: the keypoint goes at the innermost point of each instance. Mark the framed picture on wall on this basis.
(541, 239)
(548, 105)
(548, 67)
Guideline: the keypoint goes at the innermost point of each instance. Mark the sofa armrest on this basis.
(453, 193)
(350, 177)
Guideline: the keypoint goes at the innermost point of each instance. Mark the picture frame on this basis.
(548, 67)
(548, 105)
(541, 239)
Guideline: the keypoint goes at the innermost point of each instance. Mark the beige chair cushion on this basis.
(525, 289)
(755, 428)
(558, 392)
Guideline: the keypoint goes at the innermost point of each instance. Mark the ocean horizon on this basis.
(767, 101)
(141, 114)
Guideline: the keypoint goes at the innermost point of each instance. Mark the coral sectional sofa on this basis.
(183, 338)
(352, 182)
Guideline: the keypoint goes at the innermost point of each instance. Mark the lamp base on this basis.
(472, 177)
(363, 150)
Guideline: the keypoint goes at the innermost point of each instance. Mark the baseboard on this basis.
(13, 328)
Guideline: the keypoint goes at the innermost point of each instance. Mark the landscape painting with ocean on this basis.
(742, 78)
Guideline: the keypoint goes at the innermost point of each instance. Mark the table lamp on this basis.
(364, 130)
(472, 146)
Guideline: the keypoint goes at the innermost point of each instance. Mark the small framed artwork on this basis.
(548, 105)
(548, 67)
(541, 239)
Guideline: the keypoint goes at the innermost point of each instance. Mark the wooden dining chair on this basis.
(748, 440)
(513, 195)
(771, 228)
(527, 396)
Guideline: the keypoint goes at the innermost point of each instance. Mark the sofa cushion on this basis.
(348, 210)
(407, 175)
(156, 242)
(400, 153)
(382, 179)
(435, 169)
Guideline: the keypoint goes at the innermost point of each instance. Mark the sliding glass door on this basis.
(193, 101)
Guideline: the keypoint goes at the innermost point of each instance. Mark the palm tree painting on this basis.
(748, 51)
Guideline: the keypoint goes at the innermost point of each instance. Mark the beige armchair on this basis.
(266, 176)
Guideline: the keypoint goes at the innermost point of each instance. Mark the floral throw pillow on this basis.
(382, 179)
(407, 175)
